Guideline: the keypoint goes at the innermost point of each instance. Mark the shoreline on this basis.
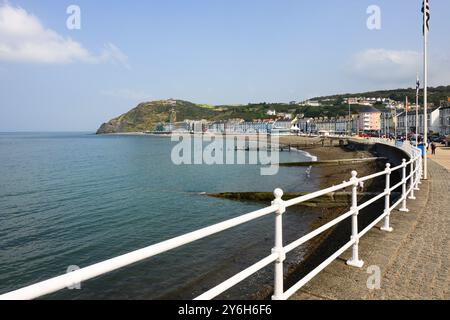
(307, 154)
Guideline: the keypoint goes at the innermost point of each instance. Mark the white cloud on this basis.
(397, 67)
(439, 69)
(114, 54)
(23, 38)
(375, 65)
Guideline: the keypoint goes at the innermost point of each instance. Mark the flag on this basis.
(426, 12)
(407, 106)
(417, 85)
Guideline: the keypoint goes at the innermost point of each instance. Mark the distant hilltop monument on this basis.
(169, 102)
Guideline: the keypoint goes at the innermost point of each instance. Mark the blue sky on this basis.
(205, 51)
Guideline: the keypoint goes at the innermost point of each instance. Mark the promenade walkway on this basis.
(414, 260)
(442, 157)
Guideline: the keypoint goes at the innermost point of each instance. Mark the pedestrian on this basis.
(433, 148)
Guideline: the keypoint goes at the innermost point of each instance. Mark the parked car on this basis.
(438, 139)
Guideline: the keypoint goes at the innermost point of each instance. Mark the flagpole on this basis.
(406, 120)
(395, 124)
(417, 112)
(425, 89)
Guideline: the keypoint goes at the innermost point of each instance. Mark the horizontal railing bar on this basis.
(409, 176)
(316, 232)
(369, 202)
(397, 168)
(317, 194)
(396, 204)
(61, 282)
(313, 273)
(224, 286)
(396, 186)
(373, 176)
(373, 224)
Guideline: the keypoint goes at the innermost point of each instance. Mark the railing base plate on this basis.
(390, 229)
(356, 264)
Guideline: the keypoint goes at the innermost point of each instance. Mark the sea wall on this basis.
(394, 155)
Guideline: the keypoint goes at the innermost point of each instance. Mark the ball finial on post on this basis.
(278, 193)
(354, 178)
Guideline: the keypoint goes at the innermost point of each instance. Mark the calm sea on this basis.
(76, 199)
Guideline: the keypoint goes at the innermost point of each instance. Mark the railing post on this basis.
(421, 169)
(417, 174)
(411, 182)
(387, 201)
(279, 249)
(354, 261)
(404, 195)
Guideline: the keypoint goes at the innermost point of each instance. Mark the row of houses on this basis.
(339, 125)
(367, 101)
(391, 121)
(370, 119)
(388, 122)
(232, 126)
(280, 115)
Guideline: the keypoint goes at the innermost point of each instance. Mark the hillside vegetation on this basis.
(435, 95)
(147, 115)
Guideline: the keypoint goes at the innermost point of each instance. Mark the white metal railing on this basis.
(408, 183)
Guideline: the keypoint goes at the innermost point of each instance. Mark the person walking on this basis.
(433, 148)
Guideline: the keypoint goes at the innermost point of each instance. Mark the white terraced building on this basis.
(433, 122)
(444, 120)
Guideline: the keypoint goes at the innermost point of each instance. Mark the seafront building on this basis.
(338, 126)
(444, 120)
(369, 119)
(432, 119)
(388, 122)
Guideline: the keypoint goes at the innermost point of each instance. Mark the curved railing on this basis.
(409, 184)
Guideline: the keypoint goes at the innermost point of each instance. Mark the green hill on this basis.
(146, 116)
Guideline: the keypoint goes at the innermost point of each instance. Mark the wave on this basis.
(307, 154)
